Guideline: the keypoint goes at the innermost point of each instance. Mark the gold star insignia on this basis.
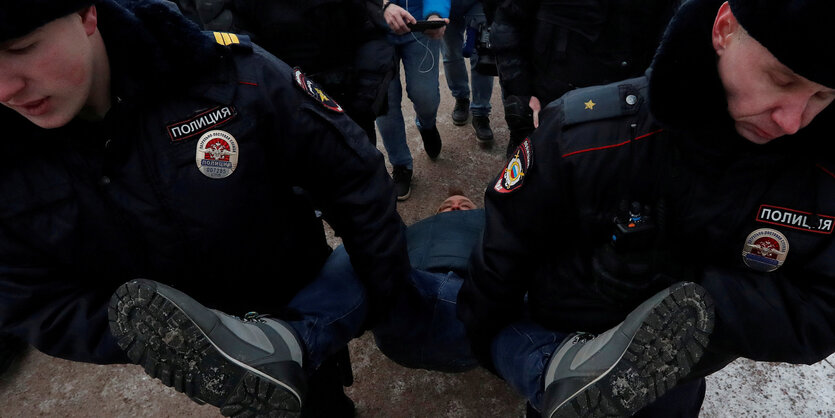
(590, 104)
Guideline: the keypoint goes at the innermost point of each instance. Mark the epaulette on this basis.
(603, 102)
(231, 40)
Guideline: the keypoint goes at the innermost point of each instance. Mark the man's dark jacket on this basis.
(89, 206)
(339, 43)
(664, 138)
(547, 47)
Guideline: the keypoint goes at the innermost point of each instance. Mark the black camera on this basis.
(478, 40)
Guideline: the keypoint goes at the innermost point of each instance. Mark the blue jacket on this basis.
(153, 190)
(421, 9)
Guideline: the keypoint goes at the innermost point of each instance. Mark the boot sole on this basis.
(156, 334)
(670, 340)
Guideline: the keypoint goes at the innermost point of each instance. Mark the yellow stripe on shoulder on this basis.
(225, 38)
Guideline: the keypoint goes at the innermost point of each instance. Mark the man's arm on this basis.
(58, 314)
(772, 317)
(522, 219)
(332, 159)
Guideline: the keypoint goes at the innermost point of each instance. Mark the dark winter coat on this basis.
(547, 47)
(341, 44)
(89, 206)
(665, 140)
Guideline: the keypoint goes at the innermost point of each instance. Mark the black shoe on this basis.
(461, 112)
(244, 367)
(11, 347)
(431, 141)
(326, 389)
(483, 133)
(627, 367)
(402, 177)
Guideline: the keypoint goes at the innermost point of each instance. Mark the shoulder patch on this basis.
(313, 90)
(231, 39)
(601, 102)
(512, 176)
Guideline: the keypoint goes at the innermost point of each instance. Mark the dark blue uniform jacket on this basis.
(91, 205)
(666, 137)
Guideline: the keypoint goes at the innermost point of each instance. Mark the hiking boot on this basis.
(481, 126)
(402, 177)
(244, 367)
(461, 112)
(11, 347)
(431, 141)
(627, 367)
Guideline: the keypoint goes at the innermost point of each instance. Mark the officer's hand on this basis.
(535, 107)
(397, 18)
(628, 278)
(436, 33)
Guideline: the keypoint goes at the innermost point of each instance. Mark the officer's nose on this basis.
(789, 115)
(10, 86)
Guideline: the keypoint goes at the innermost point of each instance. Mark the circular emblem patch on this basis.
(217, 154)
(512, 177)
(513, 173)
(765, 250)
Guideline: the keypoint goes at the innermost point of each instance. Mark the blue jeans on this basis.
(520, 355)
(423, 331)
(330, 311)
(465, 14)
(419, 57)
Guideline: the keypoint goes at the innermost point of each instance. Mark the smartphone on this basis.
(423, 25)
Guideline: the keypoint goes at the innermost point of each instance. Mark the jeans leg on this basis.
(521, 353)
(421, 59)
(482, 84)
(330, 311)
(455, 70)
(393, 127)
(423, 331)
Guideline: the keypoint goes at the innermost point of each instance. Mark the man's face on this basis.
(46, 76)
(766, 99)
(456, 202)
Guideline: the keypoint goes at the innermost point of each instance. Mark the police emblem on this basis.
(217, 154)
(314, 91)
(765, 250)
(512, 177)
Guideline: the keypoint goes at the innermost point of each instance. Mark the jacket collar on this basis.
(154, 50)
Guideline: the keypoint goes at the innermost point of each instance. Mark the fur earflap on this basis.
(685, 89)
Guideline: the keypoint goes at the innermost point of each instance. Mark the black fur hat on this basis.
(798, 32)
(19, 17)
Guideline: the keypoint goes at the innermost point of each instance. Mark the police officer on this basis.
(145, 148)
(546, 47)
(707, 169)
(339, 44)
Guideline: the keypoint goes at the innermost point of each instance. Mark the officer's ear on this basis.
(725, 27)
(90, 19)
